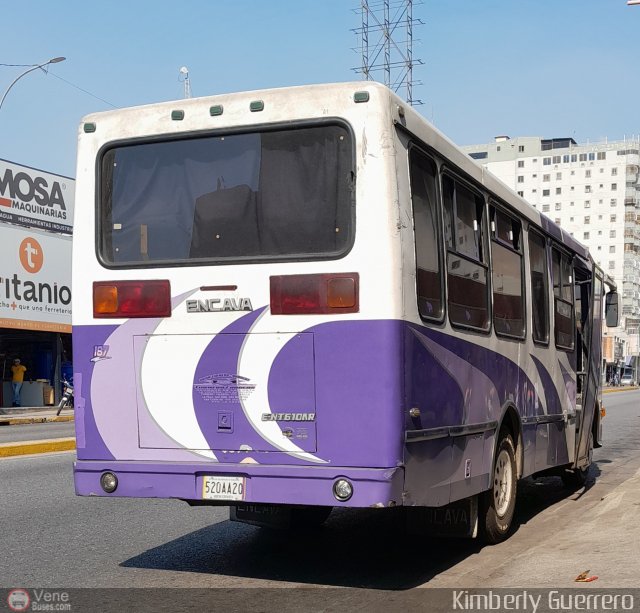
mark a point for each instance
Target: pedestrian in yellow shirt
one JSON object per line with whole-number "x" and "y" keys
{"x": 17, "y": 377}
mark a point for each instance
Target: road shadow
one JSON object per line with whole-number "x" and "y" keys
{"x": 537, "y": 495}
{"x": 366, "y": 548}
{"x": 355, "y": 548}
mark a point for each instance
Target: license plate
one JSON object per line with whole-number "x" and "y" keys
{"x": 216, "y": 487}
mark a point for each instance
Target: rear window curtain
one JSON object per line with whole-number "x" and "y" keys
{"x": 281, "y": 193}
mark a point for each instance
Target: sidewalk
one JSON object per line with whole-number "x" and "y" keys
{"x": 25, "y": 416}
{"x": 619, "y": 388}
{"x": 33, "y": 415}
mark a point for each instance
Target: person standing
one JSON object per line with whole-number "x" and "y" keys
{"x": 17, "y": 378}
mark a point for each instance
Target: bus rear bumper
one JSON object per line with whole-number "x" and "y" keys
{"x": 299, "y": 485}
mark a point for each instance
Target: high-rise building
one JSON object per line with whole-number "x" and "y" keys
{"x": 592, "y": 190}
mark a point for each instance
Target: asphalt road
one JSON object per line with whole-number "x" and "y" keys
{"x": 53, "y": 538}
{"x": 36, "y": 432}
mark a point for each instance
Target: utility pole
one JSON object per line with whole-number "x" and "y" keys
{"x": 54, "y": 60}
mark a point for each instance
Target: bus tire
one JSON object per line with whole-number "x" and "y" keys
{"x": 498, "y": 503}
{"x": 576, "y": 478}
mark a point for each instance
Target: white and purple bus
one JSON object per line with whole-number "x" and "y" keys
{"x": 297, "y": 299}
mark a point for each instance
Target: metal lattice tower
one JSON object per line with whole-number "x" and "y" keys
{"x": 383, "y": 22}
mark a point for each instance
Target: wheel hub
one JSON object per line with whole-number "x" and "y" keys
{"x": 502, "y": 483}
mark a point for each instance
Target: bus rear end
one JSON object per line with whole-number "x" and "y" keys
{"x": 236, "y": 322}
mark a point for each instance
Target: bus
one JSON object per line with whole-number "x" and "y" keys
{"x": 293, "y": 300}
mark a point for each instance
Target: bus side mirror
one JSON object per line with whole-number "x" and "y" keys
{"x": 611, "y": 309}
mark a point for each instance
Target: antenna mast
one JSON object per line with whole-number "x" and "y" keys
{"x": 184, "y": 72}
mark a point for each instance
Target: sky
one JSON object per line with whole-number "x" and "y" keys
{"x": 548, "y": 68}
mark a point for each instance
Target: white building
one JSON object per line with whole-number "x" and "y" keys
{"x": 592, "y": 190}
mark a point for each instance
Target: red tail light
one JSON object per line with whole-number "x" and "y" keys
{"x": 131, "y": 299}
{"x": 315, "y": 294}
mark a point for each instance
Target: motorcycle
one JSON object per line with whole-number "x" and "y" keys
{"x": 67, "y": 397}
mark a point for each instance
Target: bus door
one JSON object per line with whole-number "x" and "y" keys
{"x": 588, "y": 295}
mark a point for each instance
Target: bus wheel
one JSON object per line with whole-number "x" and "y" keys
{"x": 576, "y": 478}
{"x": 498, "y": 503}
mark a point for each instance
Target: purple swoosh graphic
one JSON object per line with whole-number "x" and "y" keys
{"x": 221, "y": 356}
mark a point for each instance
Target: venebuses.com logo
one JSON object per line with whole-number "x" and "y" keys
{"x": 19, "y": 599}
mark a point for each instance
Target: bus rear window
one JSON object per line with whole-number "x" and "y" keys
{"x": 278, "y": 194}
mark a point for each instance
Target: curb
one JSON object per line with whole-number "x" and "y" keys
{"x": 615, "y": 390}
{"x": 8, "y": 450}
{"x": 21, "y": 421}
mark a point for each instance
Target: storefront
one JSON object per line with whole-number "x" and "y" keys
{"x": 36, "y": 212}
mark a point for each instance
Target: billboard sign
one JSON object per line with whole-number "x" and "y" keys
{"x": 35, "y": 280}
{"x": 36, "y": 199}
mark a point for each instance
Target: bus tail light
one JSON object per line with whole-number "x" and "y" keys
{"x": 315, "y": 294}
{"x": 126, "y": 299}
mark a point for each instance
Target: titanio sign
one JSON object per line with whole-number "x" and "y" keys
{"x": 36, "y": 199}
{"x": 35, "y": 280}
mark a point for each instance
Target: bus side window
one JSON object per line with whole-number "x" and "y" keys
{"x": 563, "y": 299}
{"x": 425, "y": 220}
{"x": 468, "y": 296}
{"x": 539, "y": 285}
{"x": 506, "y": 275}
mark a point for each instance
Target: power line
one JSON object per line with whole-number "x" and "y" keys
{"x": 84, "y": 90}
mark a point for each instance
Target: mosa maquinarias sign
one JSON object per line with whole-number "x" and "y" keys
{"x": 35, "y": 199}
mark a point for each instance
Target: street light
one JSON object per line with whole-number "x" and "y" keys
{"x": 54, "y": 60}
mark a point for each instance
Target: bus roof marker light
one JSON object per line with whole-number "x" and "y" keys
{"x": 215, "y": 110}
{"x": 361, "y": 97}
{"x": 89, "y": 127}
{"x": 177, "y": 115}
{"x": 256, "y": 106}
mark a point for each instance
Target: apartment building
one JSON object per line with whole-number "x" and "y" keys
{"x": 593, "y": 191}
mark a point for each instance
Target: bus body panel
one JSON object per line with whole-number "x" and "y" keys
{"x": 462, "y": 381}
{"x": 356, "y": 380}
{"x": 192, "y": 389}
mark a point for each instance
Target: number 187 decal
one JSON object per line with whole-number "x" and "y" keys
{"x": 100, "y": 353}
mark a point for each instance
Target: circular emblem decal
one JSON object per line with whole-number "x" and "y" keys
{"x": 18, "y": 600}
{"x": 31, "y": 256}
